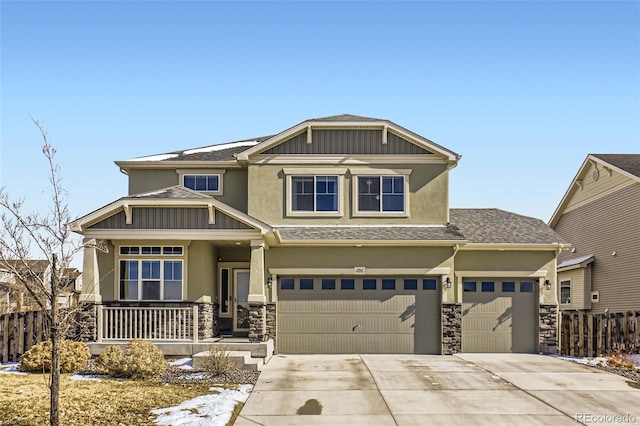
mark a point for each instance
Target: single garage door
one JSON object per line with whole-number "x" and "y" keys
{"x": 340, "y": 315}
{"x": 499, "y": 315}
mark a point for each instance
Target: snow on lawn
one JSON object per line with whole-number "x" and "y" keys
{"x": 95, "y": 377}
{"x": 11, "y": 368}
{"x": 210, "y": 410}
{"x": 183, "y": 363}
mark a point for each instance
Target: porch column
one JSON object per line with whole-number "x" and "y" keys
{"x": 90, "y": 275}
{"x": 256, "y": 277}
{"x": 257, "y": 298}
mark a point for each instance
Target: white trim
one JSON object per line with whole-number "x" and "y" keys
{"x": 176, "y": 234}
{"x": 373, "y": 225}
{"x": 355, "y": 195}
{"x": 513, "y": 247}
{"x": 313, "y": 171}
{"x": 368, "y": 271}
{"x": 133, "y": 164}
{"x": 212, "y": 214}
{"x": 385, "y": 130}
{"x": 347, "y": 159}
{"x": 289, "y": 197}
{"x": 202, "y": 171}
{"x": 372, "y": 243}
{"x": 127, "y": 214}
{"x": 379, "y": 172}
{"x": 501, "y": 274}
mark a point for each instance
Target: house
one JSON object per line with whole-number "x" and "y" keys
{"x": 15, "y": 298}
{"x": 332, "y": 236}
{"x": 600, "y": 216}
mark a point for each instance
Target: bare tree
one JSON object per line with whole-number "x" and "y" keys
{"x": 44, "y": 235}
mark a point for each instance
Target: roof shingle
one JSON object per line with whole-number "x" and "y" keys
{"x": 628, "y": 162}
{"x": 370, "y": 233}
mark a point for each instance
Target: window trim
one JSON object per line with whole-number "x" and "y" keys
{"x": 291, "y": 173}
{"x": 568, "y": 302}
{"x": 355, "y": 201}
{"x": 204, "y": 172}
{"x": 162, "y": 258}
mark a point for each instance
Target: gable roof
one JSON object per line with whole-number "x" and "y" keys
{"x": 174, "y": 196}
{"x": 625, "y": 164}
{"x": 495, "y": 226}
{"x": 346, "y": 121}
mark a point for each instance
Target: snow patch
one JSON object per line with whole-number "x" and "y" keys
{"x": 210, "y": 410}
{"x": 10, "y": 368}
{"x": 95, "y": 377}
{"x": 159, "y": 157}
{"x": 220, "y": 147}
{"x": 185, "y": 363}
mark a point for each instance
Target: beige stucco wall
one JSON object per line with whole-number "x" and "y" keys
{"x": 509, "y": 261}
{"x": 201, "y": 265}
{"x": 428, "y": 195}
{"x": 234, "y": 184}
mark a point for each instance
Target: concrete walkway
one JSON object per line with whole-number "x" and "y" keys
{"x": 464, "y": 389}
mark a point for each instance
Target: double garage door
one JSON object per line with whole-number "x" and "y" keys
{"x": 499, "y": 315}
{"x": 338, "y": 315}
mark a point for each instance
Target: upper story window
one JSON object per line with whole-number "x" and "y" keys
{"x": 205, "y": 183}
{"x": 381, "y": 194}
{"x": 314, "y": 192}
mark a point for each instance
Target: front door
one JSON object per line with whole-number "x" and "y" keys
{"x": 240, "y": 300}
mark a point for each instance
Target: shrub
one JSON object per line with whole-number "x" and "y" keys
{"x": 142, "y": 360}
{"x": 73, "y": 356}
{"x": 218, "y": 361}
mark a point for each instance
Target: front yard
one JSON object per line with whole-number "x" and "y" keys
{"x": 24, "y": 399}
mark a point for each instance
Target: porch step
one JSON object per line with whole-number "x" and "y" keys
{"x": 241, "y": 359}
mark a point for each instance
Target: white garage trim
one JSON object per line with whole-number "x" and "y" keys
{"x": 502, "y": 274}
{"x": 367, "y": 271}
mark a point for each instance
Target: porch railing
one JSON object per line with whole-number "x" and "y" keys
{"x": 149, "y": 323}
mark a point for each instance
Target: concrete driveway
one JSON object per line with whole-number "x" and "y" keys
{"x": 480, "y": 389}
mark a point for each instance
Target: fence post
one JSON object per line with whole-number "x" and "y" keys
{"x": 195, "y": 324}
{"x": 99, "y": 325}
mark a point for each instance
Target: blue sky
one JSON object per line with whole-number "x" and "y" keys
{"x": 522, "y": 90}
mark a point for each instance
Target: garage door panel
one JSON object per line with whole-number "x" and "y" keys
{"x": 323, "y": 321}
{"x": 497, "y": 321}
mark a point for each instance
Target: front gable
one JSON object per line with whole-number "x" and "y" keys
{"x": 348, "y": 135}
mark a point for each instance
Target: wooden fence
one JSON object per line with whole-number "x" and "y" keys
{"x": 19, "y": 331}
{"x": 594, "y": 335}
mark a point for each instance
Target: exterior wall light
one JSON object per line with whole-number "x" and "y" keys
{"x": 448, "y": 282}
{"x": 269, "y": 282}
{"x": 547, "y": 284}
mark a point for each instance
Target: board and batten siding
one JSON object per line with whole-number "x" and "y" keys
{"x": 346, "y": 142}
{"x": 609, "y": 224}
{"x": 170, "y": 218}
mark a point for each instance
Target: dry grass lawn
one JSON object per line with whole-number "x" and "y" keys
{"x": 24, "y": 400}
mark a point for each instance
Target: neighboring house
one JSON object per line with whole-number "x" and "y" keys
{"x": 15, "y": 298}
{"x": 333, "y": 236}
{"x": 600, "y": 216}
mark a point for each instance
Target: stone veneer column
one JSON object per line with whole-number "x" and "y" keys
{"x": 257, "y": 322}
{"x": 271, "y": 321}
{"x": 206, "y": 320}
{"x": 87, "y": 318}
{"x": 451, "y": 328}
{"x": 548, "y": 328}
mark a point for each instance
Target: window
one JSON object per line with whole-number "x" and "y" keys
{"x": 469, "y": 286}
{"x": 347, "y": 284}
{"x": 565, "y": 292}
{"x": 314, "y": 194}
{"x": 306, "y": 284}
{"x": 526, "y": 287}
{"x": 151, "y": 279}
{"x": 411, "y": 284}
{"x": 508, "y": 287}
{"x": 488, "y": 286}
{"x": 381, "y": 194}
{"x": 225, "y": 294}
{"x": 286, "y": 284}
{"x": 388, "y": 284}
{"x": 207, "y": 183}
{"x": 429, "y": 284}
{"x": 151, "y": 250}
{"x": 369, "y": 284}
{"x": 328, "y": 284}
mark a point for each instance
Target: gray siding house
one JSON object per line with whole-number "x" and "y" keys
{"x": 599, "y": 216}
